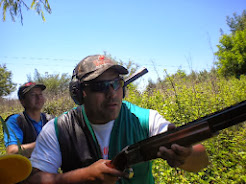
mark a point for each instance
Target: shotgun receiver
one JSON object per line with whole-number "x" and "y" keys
{"x": 186, "y": 135}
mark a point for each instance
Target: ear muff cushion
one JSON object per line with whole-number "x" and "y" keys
{"x": 75, "y": 91}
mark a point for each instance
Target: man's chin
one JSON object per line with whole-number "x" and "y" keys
{"x": 37, "y": 109}
{"x": 111, "y": 116}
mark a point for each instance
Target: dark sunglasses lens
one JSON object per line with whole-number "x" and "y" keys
{"x": 117, "y": 84}
{"x": 104, "y": 85}
{"x": 99, "y": 86}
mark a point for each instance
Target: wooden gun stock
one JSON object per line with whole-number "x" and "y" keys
{"x": 186, "y": 135}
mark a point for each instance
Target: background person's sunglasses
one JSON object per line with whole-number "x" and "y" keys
{"x": 103, "y": 86}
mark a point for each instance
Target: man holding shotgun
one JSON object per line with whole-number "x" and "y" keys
{"x": 83, "y": 141}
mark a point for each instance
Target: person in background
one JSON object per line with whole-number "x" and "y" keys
{"x": 83, "y": 141}
{"x": 23, "y": 128}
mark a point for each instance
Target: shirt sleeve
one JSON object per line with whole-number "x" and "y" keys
{"x": 46, "y": 155}
{"x": 157, "y": 124}
{"x": 14, "y": 133}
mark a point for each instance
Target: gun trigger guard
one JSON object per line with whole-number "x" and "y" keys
{"x": 128, "y": 173}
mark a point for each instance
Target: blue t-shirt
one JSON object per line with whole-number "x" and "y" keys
{"x": 15, "y": 132}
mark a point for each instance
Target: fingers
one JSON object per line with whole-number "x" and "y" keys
{"x": 109, "y": 170}
{"x": 171, "y": 126}
{"x": 175, "y": 156}
{"x": 181, "y": 150}
{"x": 101, "y": 172}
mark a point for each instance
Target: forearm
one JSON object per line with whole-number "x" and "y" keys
{"x": 98, "y": 172}
{"x": 197, "y": 160}
{"x": 26, "y": 149}
{"x": 75, "y": 176}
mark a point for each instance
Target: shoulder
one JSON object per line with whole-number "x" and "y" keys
{"x": 134, "y": 108}
{"x": 46, "y": 155}
{"x": 157, "y": 123}
{"x": 136, "y": 114}
{"x": 49, "y": 127}
{"x": 75, "y": 112}
{"x": 12, "y": 119}
{"x": 48, "y": 132}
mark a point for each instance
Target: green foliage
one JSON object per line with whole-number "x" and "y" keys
{"x": 55, "y": 84}
{"x": 7, "y": 108}
{"x": 237, "y": 22}
{"x": 56, "y": 105}
{"x": 15, "y": 8}
{"x": 6, "y": 85}
{"x": 232, "y": 54}
{"x": 2, "y": 150}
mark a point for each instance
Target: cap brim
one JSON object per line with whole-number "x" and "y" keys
{"x": 120, "y": 69}
{"x": 41, "y": 86}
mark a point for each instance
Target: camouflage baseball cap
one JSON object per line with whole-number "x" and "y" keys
{"x": 93, "y": 66}
{"x": 27, "y": 87}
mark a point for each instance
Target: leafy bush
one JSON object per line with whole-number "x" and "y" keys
{"x": 184, "y": 101}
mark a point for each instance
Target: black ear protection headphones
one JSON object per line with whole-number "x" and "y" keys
{"x": 76, "y": 88}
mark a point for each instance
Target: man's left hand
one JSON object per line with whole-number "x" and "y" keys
{"x": 176, "y": 155}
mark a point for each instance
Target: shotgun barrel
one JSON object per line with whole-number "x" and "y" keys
{"x": 136, "y": 75}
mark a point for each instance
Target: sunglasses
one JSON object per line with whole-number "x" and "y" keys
{"x": 103, "y": 86}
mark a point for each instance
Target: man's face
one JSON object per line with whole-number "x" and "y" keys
{"x": 102, "y": 107}
{"x": 33, "y": 100}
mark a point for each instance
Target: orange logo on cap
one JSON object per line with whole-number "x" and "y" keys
{"x": 101, "y": 61}
{"x": 101, "y": 57}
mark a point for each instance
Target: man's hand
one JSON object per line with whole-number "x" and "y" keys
{"x": 192, "y": 158}
{"x": 176, "y": 156}
{"x": 100, "y": 172}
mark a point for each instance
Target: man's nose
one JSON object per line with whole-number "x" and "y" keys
{"x": 38, "y": 96}
{"x": 111, "y": 92}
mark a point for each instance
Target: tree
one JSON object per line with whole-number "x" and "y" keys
{"x": 15, "y": 8}
{"x": 231, "y": 52}
{"x": 6, "y": 85}
{"x": 237, "y": 22}
{"x": 55, "y": 84}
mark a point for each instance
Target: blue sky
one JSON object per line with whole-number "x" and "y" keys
{"x": 156, "y": 34}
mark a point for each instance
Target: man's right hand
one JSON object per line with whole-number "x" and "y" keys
{"x": 100, "y": 172}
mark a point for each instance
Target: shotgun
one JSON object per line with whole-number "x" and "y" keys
{"x": 135, "y": 75}
{"x": 186, "y": 135}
